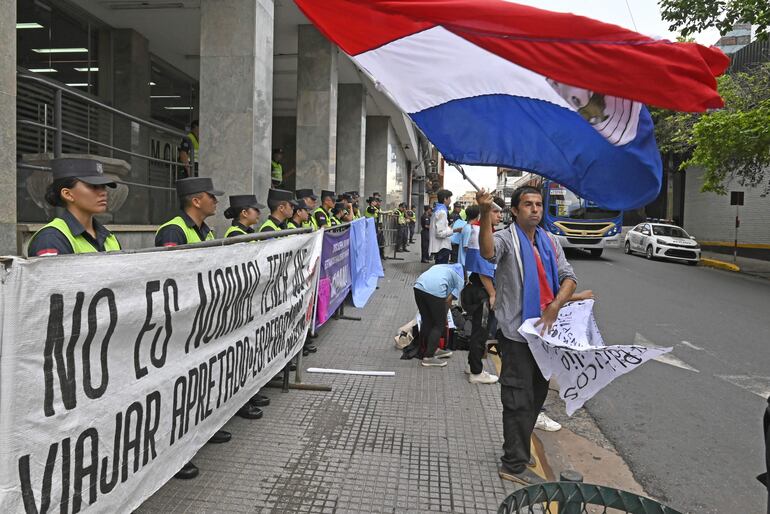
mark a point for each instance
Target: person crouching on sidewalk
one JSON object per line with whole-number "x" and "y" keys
{"x": 434, "y": 291}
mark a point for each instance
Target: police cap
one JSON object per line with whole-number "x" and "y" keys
{"x": 85, "y": 170}
{"x": 326, "y": 193}
{"x": 193, "y": 185}
{"x": 241, "y": 202}
{"x": 275, "y": 196}
{"x": 306, "y": 193}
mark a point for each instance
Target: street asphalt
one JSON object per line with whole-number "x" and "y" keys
{"x": 690, "y": 428}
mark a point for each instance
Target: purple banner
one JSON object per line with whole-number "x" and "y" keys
{"x": 335, "y": 280}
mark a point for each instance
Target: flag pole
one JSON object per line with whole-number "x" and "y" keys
{"x": 462, "y": 172}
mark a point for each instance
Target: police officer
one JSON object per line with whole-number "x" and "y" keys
{"x": 403, "y": 233}
{"x": 425, "y": 234}
{"x": 245, "y": 211}
{"x": 279, "y": 202}
{"x": 79, "y": 186}
{"x": 322, "y": 214}
{"x": 411, "y": 221}
{"x": 198, "y": 199}
{"x": 190, "y": 145}
{"x": 373, "y": 210}
{"x": 276, "y": 167}
{"x": 308, "y": 197}
{"x": 339, "y": 212}
{"x": 300, "y": 217}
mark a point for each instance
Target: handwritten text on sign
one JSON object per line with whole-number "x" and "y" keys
{"x": 574, "y": 353}
{"x": 114, "y": 372}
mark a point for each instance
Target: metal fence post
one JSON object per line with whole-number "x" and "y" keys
{"x": 571, "y": 505}
{"x": 57, "y": 136}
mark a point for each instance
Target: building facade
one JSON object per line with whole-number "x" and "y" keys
{"x": 122, "y": 82}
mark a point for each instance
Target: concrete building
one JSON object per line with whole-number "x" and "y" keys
{"x": 124, "y": 80}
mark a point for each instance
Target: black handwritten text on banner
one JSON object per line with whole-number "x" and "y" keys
{"x": 116, "y": 369}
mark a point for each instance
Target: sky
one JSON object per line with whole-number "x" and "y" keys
{"x": 647, "y": 20}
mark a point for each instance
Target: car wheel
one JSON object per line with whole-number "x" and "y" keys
{"x": 597, "y": 252}
{"x": 627, "y": 248}
{"x": 648, "y": 253}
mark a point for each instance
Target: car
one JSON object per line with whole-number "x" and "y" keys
{"x": 664, "y": 241}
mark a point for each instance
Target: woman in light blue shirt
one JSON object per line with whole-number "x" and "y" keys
{"x": 433, "y": 293}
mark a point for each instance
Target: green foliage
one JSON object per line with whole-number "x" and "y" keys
{"x": 732, "y": 143}
{"x": 693, "y": 16}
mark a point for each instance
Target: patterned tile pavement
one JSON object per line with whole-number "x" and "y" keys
{"x": 423, "y": 441}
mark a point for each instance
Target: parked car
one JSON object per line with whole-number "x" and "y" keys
{"x": 660, "y": 240}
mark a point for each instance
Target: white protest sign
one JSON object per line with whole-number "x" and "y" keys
{"x": 116, "y": 368}
{"x": 573, "y": 352}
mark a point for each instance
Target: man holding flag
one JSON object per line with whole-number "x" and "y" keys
{"x": 533, "y": 280}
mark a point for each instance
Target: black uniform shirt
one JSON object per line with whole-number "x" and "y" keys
{"x": 425, "y": 222}
{"x": 50, "y": 241}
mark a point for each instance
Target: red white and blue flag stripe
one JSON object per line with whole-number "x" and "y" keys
{"x": 495, "y": 83}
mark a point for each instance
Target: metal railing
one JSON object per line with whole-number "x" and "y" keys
{"x": 576, "y": 497}
{"x": 53, "y": 119}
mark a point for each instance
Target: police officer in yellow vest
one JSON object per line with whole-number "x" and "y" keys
{"x": 308, "y": 198}
{"x": 79, "y": 186}
{"x": 279, "y": 202}
{"x": 403, "y": 230}
{"x": 198, "y": 200}
{"x": 276, "y": 167}
{"x": 339, "y": 214}
{"x": 190, "y": 147}
{"x": 373, "y": 210}
{"x": 321, "y": 216}
{"x": 300, "y": 217}
{"x": 244, "y": 210}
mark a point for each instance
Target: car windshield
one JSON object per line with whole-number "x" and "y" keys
{"x": 664, "y": 230}
{"x": 565, "y": 204}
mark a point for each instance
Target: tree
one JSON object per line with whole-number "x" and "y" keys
{"x": 732, "y": 143}
{"x": 692, "y": 16}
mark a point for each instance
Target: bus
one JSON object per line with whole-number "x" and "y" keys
{"x": 580, "y": 223}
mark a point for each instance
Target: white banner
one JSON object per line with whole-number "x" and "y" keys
{"x": 573, "y": 352}
{"x": 116, "y": 369}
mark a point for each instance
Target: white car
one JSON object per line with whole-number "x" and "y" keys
{"x": 660, "y": 240}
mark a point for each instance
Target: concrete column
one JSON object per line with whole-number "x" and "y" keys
{"x": 236, "y": 96}
{"x": 351, "y": 137}
{"x": 131, "y": 94}
{"x": 8, "y": 138}
{"x": 316, "y": 110}
{"x": 376, "y": 167}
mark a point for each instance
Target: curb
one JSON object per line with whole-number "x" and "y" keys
{"x": 715, "y": 263}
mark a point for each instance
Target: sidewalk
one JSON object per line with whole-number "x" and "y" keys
{"x": 755, "y": 267}
{"x": 424, "y": 440}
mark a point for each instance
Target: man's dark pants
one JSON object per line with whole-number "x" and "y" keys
{"x": 433, "y": 316}
{"x": 455, "y": 251}
{"x": 424, "y": 244}
{"x": 522, "y": 391}
{"x": 473, "y": 297}
{"x": 442, "y": 256}
{"x": 411, "y": 232}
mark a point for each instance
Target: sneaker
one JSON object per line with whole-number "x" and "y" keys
{"x": 547, "y": 424}
{"x": 524, "y": 477}
{"x": 443, "y": 354}
{"x": 482, "y": 378}
{"x": 467, "y": 369}
{"x": 432, "y": 362}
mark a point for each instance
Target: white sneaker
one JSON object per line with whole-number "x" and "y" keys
{"x": 482, "y": 378}
{"x": 432, "y": 362}
{"x": 547, "y": 424}
{"x": 443, "y": 354}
